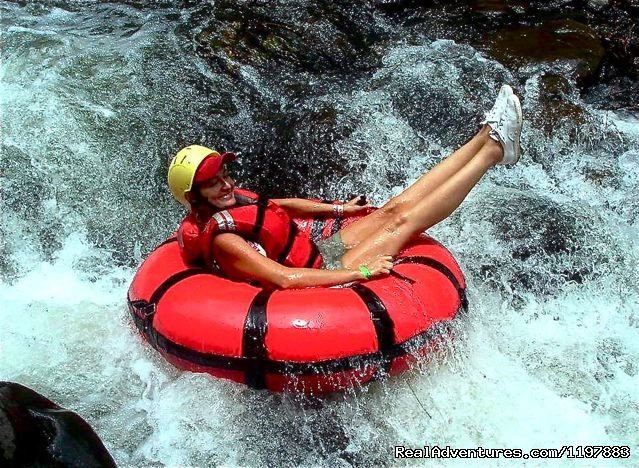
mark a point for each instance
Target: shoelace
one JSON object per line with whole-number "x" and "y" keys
{"x": 498, "y": 130}
{"x": 488, "y": 114}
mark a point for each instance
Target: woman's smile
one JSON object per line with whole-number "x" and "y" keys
{"x": 224, "y": 201}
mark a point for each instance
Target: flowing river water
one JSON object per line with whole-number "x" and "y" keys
{"x": 94, "y": 100}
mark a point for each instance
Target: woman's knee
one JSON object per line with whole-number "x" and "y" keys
{"x": 395, "y": 221}
{"x": 392, "y": 209}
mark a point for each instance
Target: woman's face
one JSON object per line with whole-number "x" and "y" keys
{"x": 218, "y": 190}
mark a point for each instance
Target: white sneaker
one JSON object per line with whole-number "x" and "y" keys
{"x": 507, "y": 131}
{"x": 492, "y": 116}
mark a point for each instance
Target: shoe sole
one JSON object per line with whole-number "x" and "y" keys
{"x": 520, "y": 123}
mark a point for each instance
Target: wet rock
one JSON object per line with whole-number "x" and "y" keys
{"x": 283, "y": 58}
{"x": 608, "y": 29}
{"x": 291, "y": 446}
{"x": 619, "y": 93}
{"x": 317, "y": 37}
{"x": 561, "y": 125}
{"x": 29, "y": 196}
{"x": 34, "y": 431}
{"x": 619, "y": 76}
{"x": 294, "y": 153}
{"x": 279, "y": 56}
{"x": 491, "y": 6}
{"x": 564, "y": 42}
{"x": 546, "y": 244}
{"x": 440, "y": 88}
{"x": 556, "y": 105}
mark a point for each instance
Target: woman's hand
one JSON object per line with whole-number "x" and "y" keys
{"x": 381, "y": 266}
{"x": 356, "y": 206}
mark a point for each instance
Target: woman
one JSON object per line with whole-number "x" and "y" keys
{"x": 221, "y": 226}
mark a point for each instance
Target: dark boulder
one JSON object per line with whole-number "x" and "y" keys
{"x": 562, "y": 43}
{"x": 295, "y": 149}
{"x": 556, "y": 105}
{"x": 597, "y": 40}
{"x": 317, "y": 37}
{"x": 35, "y": 432}
{"x": 544, "y": 244}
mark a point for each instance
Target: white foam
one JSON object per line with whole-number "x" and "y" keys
{"x": 558, "y": 369}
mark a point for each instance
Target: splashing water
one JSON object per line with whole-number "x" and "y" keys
{"x": 95, "y": 99}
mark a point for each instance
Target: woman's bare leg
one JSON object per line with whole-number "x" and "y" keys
{"x": 391, "y": 237}
{"x": 426, "y": 184}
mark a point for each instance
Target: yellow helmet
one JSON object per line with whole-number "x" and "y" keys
{"x": 182, "y": 170}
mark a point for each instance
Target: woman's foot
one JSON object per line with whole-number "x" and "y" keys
{"x": 492, "y": 116}
{"x": 507, "y": 130}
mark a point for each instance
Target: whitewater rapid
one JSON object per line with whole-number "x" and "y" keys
{"x": 93, "y": 101}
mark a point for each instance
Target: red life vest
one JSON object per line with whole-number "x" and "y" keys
{"x": 254, "y": 220}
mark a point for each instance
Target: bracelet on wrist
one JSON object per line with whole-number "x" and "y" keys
{"x": 338, "y": 211}
{"x": 363, "y": 269}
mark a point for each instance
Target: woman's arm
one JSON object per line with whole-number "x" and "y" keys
{"x": 240, "y": 261}
{"x": 301, "y": 208}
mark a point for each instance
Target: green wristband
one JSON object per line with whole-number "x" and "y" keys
{"x": 363, "y": 269}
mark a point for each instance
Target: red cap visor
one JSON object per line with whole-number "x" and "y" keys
{"x": 211, "y": 165}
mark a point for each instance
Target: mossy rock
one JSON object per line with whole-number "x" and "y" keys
{"x": 566, "y": 41}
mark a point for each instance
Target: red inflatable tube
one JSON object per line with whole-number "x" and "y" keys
{"x": 314, "y": 340}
